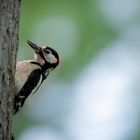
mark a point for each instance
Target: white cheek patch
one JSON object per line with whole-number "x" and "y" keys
{"x": 50, "y": 58}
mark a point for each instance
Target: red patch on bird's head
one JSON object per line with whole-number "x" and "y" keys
{"x": 58, "y": 61}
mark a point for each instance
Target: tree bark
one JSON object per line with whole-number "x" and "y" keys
{"x": 9, "y": 27}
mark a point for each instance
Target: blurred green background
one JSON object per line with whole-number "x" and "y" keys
{"x": 94, "y": 93}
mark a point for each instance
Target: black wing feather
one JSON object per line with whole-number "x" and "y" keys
{"x": 30, "y": 84}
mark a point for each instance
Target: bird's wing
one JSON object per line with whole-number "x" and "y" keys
{"x": 33, "y": 82}
{"x": 23, "y": 70}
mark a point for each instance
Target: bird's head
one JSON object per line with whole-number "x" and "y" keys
{"x": 45, "y": 55}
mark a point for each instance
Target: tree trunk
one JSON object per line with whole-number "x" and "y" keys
{"x": 9, "y": 26}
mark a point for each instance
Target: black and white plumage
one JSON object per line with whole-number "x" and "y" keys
{"x": 31, "y": 73}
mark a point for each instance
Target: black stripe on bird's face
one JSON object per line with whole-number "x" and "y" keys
{"x": 53, "y": 52}
{"x": 49, "y": 55}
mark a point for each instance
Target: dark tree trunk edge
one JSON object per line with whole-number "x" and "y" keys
{"x": 9, "y": 38}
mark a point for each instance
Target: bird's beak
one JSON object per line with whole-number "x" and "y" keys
{"x": 34, "y": 46}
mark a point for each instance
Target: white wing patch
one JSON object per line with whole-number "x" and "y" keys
{"x": 23, "y": 70}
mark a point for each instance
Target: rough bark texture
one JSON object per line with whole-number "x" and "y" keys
{"x": 9, "y": 26}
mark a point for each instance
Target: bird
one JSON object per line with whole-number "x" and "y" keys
{"x": 30, "y": 74}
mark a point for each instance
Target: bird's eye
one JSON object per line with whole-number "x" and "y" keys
{"x": 47, "y": 51}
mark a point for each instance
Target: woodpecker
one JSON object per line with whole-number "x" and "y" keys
{"x": 31, "y": 73}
